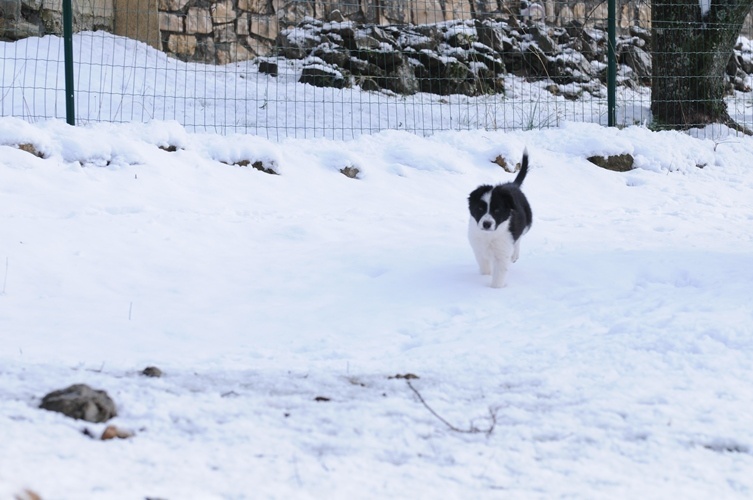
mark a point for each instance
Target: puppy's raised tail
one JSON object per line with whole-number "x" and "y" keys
{"x": 523, "y": 169}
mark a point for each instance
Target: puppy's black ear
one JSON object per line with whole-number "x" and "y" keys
{"x": 478, "y": 192}
{"x": 507, "y": 198}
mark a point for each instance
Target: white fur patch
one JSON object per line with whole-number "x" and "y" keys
{"x": 487, "y": 217}
{"x": 494, "y": 250}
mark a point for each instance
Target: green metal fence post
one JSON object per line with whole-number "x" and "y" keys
{"x": 611, "y": 63}
{"x": 70, "y": 109}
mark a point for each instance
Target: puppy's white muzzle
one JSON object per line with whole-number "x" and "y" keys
{"x": 487, "y": 223}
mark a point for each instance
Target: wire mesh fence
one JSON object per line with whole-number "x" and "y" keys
{"x": 326, "y": 68}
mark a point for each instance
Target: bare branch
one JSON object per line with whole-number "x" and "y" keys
{"x": 471, "y": 430}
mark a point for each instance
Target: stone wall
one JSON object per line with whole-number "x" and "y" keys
{"x": 217, "y": 32}
{"x": 222, "y": 31}
{"x": 24, "y": 18}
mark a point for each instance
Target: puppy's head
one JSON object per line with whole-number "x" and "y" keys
{"x": 490, "y": 206}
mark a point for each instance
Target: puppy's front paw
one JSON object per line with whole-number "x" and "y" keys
{"x": 500, "y": 284}
{"x": 485, "y": 268}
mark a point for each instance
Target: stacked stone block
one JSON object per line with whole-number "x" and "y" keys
{"x": 24, "y": 18}
{"x": 218, "y": 32}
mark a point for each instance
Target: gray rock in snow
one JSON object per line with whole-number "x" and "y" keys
{"x": 81, "y": 402}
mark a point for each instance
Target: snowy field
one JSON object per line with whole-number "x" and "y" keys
{"x": 617, "y": 363}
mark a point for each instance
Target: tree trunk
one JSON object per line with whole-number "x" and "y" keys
{"x": 691, "y": 52}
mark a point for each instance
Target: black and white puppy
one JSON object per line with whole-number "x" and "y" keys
{"x": 500, "y": 215}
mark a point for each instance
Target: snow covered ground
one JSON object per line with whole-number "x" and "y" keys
{"x": 617, "y": 363}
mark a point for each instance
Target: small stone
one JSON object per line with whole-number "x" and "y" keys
{"x": 258, "y": 165}
{"x": 616, "y": 163}
{"x": 30, "y": 148}
{"x": 267, "y": 169}
{"x": 320, "y": 76}
{"x": 112, "y": 432}
{"x": 268, "y": 68}
{"x": 350, "y": 171}
{"x": 152, "y": 371}
{"x": 81, "y": 402}
{"x": 336, "y": 16}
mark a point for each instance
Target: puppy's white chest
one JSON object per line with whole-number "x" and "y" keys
{"x": 499, "y": 241}
{"x": 494, "y": 250}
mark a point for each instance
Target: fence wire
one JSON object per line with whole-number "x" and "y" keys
{"x": 333, "y": 69}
